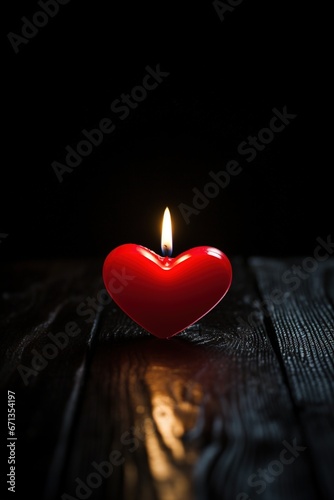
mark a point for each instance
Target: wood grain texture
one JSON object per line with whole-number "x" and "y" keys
{"x": 206, "y": 415}
{"x": 39, "y": 298}
{"x": 302, "y": 321}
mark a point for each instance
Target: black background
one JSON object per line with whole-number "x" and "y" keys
{"x": 225, "y": 79}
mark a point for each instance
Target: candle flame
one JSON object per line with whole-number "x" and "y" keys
{"x": 166, "y": 234}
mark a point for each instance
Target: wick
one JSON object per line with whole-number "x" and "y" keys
{"x": 165, "y": 251}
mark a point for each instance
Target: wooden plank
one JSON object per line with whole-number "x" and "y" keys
{"x": 298, "y": 297}
{"x": 204, "y": 415}
{"x": 39, "y": 298}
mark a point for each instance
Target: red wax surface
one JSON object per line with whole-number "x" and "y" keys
{"x": 166, "y": 295}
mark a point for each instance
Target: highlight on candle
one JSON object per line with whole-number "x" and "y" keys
{"x": 166, "y": 234}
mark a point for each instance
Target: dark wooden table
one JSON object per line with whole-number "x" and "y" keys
{"x": 241, "y": 405}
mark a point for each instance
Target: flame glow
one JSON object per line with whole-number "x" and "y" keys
{"x": 166, "y": 234}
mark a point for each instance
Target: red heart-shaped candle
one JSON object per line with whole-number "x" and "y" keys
{"x": 166, "y": 295}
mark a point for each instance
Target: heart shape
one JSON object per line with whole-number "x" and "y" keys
{"x": 166, "y": 295}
